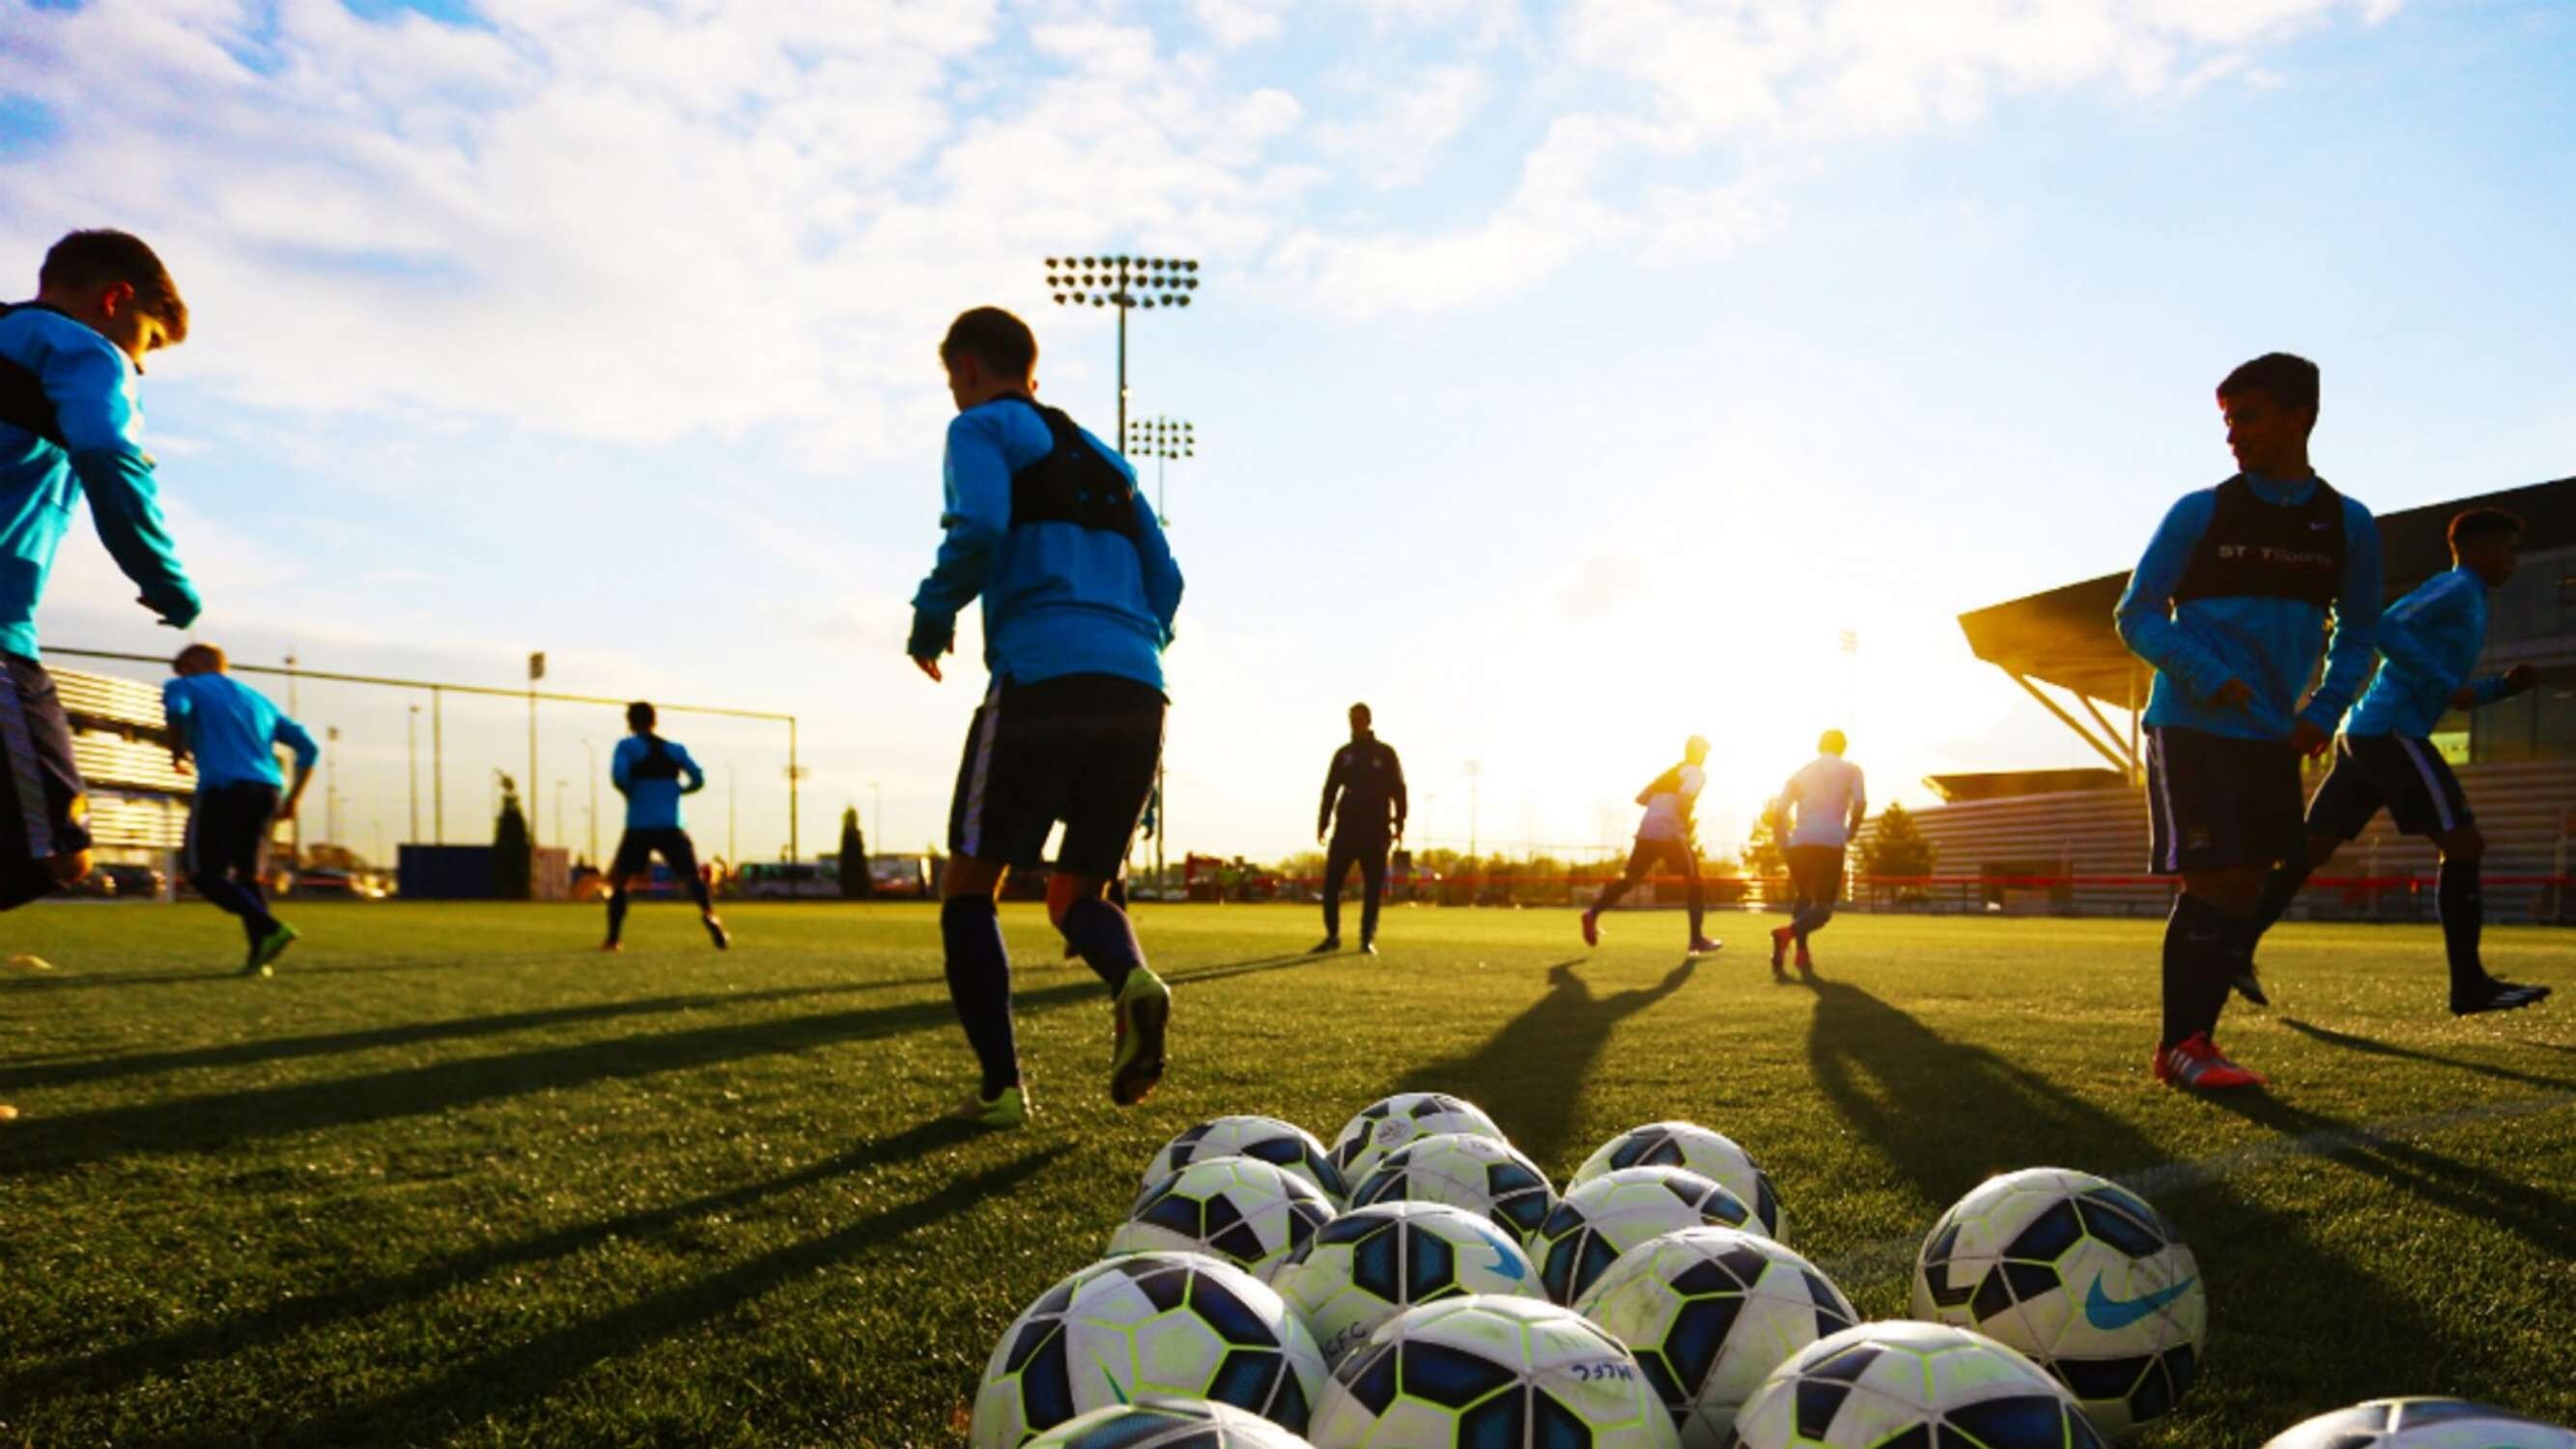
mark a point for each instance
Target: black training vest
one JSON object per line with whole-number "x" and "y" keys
{"x": 1073, "y": 483}
{"x": 2254, "y": 549}
{"x": 23, "y": 402}
{"x": 657, "y": 763}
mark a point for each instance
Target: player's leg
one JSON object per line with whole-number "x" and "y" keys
{"x": 44, "y": 834}
{"x": 1641, "y": 858}
{"x": 2210, "y": 802}
{"x": 2344, "y": 803}
{"x": 1118, "y": 729}
{"x": 682, "y": 855}
{"x": 1338, "y": 860}
{"x": 243, "y": 848}
{"x": 634, "y": 853}
{"x": 985, "y": 838}
{"x": 1372, "y": 861}
{"x": 1695, "y": 896}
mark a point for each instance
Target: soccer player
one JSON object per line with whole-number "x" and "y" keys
{"x": 1045, "y": 524}
{"x": 653, "y": 773}
{"x": 232, "y": 731}
{"x": 2230, "y": 605}
{"x": 2431, "y": 640}
{"x": 69, "y": 426}
{"x": 1819, "y": 810}
{"x": 1368, "y": 781}
{"x": 1665, "y": 836}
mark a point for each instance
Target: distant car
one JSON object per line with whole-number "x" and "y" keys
{"x": 134, "y": 882}
{"x": 899, "y": 877}
{"x": 786, "y": 880}
{"x": 343, "y": 884}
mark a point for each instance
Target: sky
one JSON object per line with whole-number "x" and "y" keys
{"x": 1566, "y": 377}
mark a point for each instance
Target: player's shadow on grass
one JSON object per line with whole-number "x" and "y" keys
{"x": 1529, "y": 1075}
{"x": 111, "y": 1369}
{"x": 2375, "y": 1047}
{"x": 108, "y": 980}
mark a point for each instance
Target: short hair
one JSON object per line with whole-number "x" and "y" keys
{"x": 1363, "y": 709}
{"x": 1832, "y": 742}
{"x": 2287, "y": 379}
{"x": 639, "y": 716}
{"x": 993, "y": 337}
{"x": 102, "y": 257}
{"x": 205, "y": 654}
{"x": 2471, "y": 524}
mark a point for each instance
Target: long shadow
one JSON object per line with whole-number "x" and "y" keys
{"x": 2375, "y": 1047}
{"x": 1530, "y": 1073}
{"x": 113, "y": 1368}
{"x": 1946, "y": 1115}
{"x": 85, "y": 981}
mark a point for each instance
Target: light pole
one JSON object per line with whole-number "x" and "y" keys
{"x": 876, "y": 812}
{"x": 733, "y": 851}
{"x": 411, "y": 771}
{"x": 592, "y": 751}
{"x": 331, "y": 785}
{"x": 1125, "y": 283}
{"x": 1474, "y": 771}
{"x": 560, "y": 833}
{"x": 1163, "y": 440}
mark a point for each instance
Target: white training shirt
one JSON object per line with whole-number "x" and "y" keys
{"x": 1668, "y": 803}
{"x": 1824, "y": 797}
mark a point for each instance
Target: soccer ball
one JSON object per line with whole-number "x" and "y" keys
{"x": 2421, "y": 1424}
{"x": 1371, "y": 1263}
{"x": 1157, "y": 1422}
{"x": 1281, "y": 1144}
{"x": 1597, "y": 1221}
{"x": 1182, "y": 1324}
{"x": 1709, "y": 1312}
{"x": 1500, "y": 1371}
{"x": 1881, "y": 1385}
{"x": 1249, "y": 1213}
{"x": 2079, "y": 1274}
{"x": 1485, "y": 1175}
{"x": 1385, "y": 1125}
{"x": 1687, "y": 1144}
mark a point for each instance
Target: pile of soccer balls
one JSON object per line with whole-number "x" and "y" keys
{"x": 1421, "y": 1285}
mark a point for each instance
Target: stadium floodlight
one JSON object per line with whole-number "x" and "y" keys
{"x": 1126, "y": 283}
{"x": 1164, "y": 440}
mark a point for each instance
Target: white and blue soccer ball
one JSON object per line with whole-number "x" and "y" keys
{"x": 1373, "y": 1262}
{"x": 1283, "y": 1145}
{"x": 1687, "y": 1144}
{"x": 1245, "y": 1211}
{"x": 1877, "y": 1385}
{"x": 1158, "y": 1422}
{"x": 1482, "y": 1175}
{"x": 1472, "y": 1372}
{"x": 2081, "y": 1275}
{"x": 2422, "y": 1424}
{"x": 1596, "y": 1221}
{"x": 1709, "y": 1313}
{"x": 1390, "y": 1122}
{"x": 1178, "y": 1324}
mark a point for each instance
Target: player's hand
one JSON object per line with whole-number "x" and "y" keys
{"x": 2521, "y": 679}
{"x": 930, "y": 667}
{"x": 286, "y": 810}
{"x": 2466, "y": 696}
{"x": 2234, "y": 694}
{"x": 2309, "y": 740}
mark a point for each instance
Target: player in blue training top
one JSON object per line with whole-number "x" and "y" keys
{"x": 69, "y": 427}
{"x": 2431, "y": 640}
{"x": 1045, "y": 524}
{"x": 2230, "y": 605}
{"x": 232, "y": 732}
{"x": 653, "y": 773}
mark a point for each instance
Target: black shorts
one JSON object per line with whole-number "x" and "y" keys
{"x": 2215, "y": 801}
{"x": 1080, "y": 749}
{"x": 637, "y": 847}
{"x": 228, "y": 829}
{"x": 1816, "y": 870}
{"x": 2407, "y": 777}
{"x": 1678, "y": 855}
{"x": 44, "y": 806}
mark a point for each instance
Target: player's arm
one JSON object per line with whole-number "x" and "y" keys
{"x": 1332, "y": 790}
{"x": 2353, "y": 649}
{"x": 87, "y": 386}
{"x": 2520, "y": 679}
{"x": 299, "y": 739}
{"x": 975, "y": 521}
{"x": 1162, "y": 575}
{"x": 1403, "y": 804}
{"x": 621, "y": 766}
{"x": 176, "y": 708}
{"x": 1860, "y": 801}
{"x": 2145, "y": 615}
{"x": 692, "y": 779}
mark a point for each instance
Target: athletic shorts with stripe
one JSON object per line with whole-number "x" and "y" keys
{"x": 2407, "y": 777}
{"x": 637, "y": 847}
{"x": 1080, "y": 749}
{"x": 44, "y": 806}
{"x": 2216, "y": 801}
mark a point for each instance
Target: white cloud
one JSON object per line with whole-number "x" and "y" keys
{"x": 1421, "y": 114}
{"x": 1234, "y": 23}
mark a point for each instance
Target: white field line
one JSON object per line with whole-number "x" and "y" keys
{"x": 1895, "y": 1256}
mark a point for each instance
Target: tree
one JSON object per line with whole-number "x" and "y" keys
{"x": 855, "y": 880}
{"x": 513, "y": 867}
{"x": 1897, "y": 847}
{"x": 1762, "y": 854}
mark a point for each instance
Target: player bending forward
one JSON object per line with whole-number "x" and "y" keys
{"x": 1665, "y": 836}
{"x": 2431, "y": 640}
{"x": 1820, "y": 809}
{"x": 233, "y": 731}
{"x": 653, "y": 773}
{"x": 1044, "y": 523}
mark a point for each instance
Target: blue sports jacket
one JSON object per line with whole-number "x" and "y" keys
{"x": 2271, "y": 644}
{"x": 91, "y": 385}
{"x": 2431, "y": 640}
{"x": 234, "y": 730}
{"x": 1058, "y": 598}
{"x": 653, "y": 800}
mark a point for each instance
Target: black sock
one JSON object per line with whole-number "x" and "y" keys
{"x": 1698, "y": 910}
{"x": 2464, "y": 911}
{"x": 2199, "y": 957}
{"x": 979, "y": 983}
{"x": 1106, "y": 940}
{"x": 698, "y": 892}
{"x": 2278, "y": 890}
{"x": 616, "y": 914}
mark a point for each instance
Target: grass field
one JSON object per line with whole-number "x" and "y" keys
{"x": 452, "y": 1178}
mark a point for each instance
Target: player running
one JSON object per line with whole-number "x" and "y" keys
{"x": 69, "y": 426}
{"x": 1820, "y": 809}
{"x": 653, "y": 773}
{"x": 1368, "y": 781}
{"x": 2431, "y": 640}
{"x": 232, "y": 732}
{"x": 1044, "y": 523}
{"x": 2230, "y": 605}
{"x": 1667, "y": 837}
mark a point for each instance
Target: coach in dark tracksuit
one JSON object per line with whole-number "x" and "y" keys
{"x": 1368, "y": 780}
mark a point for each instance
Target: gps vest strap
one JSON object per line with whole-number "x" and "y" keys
{"x": 1073, "y": 483}
{"x": 2259, "y": 550}
{"x": 657, "y": 763}
{"x": 23, "y": 402}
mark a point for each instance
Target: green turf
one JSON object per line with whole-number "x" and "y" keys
{"x": 453, "y": 1178}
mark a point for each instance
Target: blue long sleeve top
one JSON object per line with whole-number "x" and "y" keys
{"x": 1058, "y": 598}
{"x": 91, "y": 385}
{"x": 2271, "y": 644}
{"x": 233, "y": 730}
{"x": 2431, "y": 640}
{"x": 653, "y": 802}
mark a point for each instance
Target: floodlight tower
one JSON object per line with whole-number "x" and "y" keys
{"x": 1164, "y": 440}
{"x": 1125, "y": 283}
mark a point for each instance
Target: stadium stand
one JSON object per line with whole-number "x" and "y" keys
{"x": 138, "y": 804}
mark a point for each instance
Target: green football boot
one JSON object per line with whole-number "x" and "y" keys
{"x": 1144, "y": 1011}
{"x": 1010, "y": 1109}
